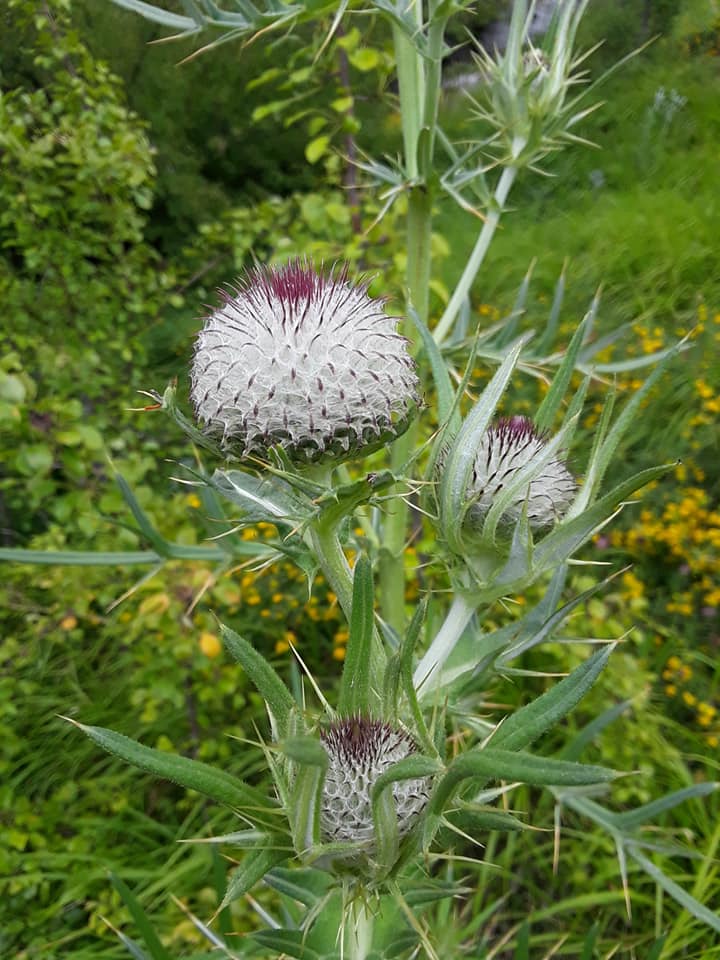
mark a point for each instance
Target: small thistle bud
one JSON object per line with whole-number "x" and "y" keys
{"x": 303, "y": 360}
{"x": 359, "y": 750}
{"x": 506, "y": 447}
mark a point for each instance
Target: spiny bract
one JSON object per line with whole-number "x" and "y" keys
{"x": 305, "y": 360}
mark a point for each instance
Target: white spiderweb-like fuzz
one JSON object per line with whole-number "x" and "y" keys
{"x": 305, "y": 360}
{"x": 507, "y": 447}
{"x": 359, "y": 750}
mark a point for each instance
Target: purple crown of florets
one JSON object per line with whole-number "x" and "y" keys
{"x": 516, "y": 430}
{"x": 360, "y": 739}
{"x": 294, "y": 282}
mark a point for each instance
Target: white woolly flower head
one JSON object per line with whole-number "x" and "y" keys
{"x": 359, "y": 750}
{"x": 305, "y": 360}
{"x": 506, "y": 448}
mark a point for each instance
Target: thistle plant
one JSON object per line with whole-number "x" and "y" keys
{"x": 317, "y": 406}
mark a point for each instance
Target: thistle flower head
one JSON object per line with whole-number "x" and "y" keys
{"x": 304, "y": 360}
{"x": 359, "y": 750}
{"x": 506, "y": 448}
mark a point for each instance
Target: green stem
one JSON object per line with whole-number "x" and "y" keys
{"x": 358, "y": 930}
{"x": 419, "y": 232}
{"x": 392, "y": 567}
{"x": 478, "y": 254}
{"x": 333, "y": 563}
{"x": 436, "y": 36}
{"x": 322, "y": 537}
{"x": 419, "y": 87}
{"x": 411, "y": 87}
{"x": 428, "y": 672}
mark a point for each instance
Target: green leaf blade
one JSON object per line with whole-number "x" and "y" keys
{"x": 528, "y": 723}
{"x": 158, "y": 15}
{"x": 267, "y": 682}
{"x": 447, "y": 413}
{"x": 141, "y": 920}
{"x": 289, "y": 943}
{"x": 571, "y": 534}
{"x": 251, "y": 871}
{"x": 454, "y": 484}
{"x": 191, "y": 774}
{"x": 550, "y": 405}
{"x": 521, "y": 767}
{"x": 489, "y": 763}
{"x": 355, "y": 687}
{"x": 632, "y": 819}
{"x": 685, "y": 899}
{"x": 306, "y": 885}
{"x": 80, "y": 558}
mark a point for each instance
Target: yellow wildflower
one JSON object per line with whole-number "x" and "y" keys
{"x": 210, "y": 644}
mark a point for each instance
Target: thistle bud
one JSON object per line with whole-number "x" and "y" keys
{"x": 304, "y": 360}
{"x": 506, "y": 448}
{"x": 359, "y": 751}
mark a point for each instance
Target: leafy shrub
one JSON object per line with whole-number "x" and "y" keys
{"x": 77, "y": 280}
{"x": 76, "y": 183}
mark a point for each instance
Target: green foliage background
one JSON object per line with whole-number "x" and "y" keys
{"x": 130, "y": 187}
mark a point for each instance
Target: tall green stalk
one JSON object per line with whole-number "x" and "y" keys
{"x": 477, "y": 256}
{"x": 392, "y": 567}
{"x": 411, "y": 85}
{"x": 419, "y": 90}
{"x": 333, "y": 563}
